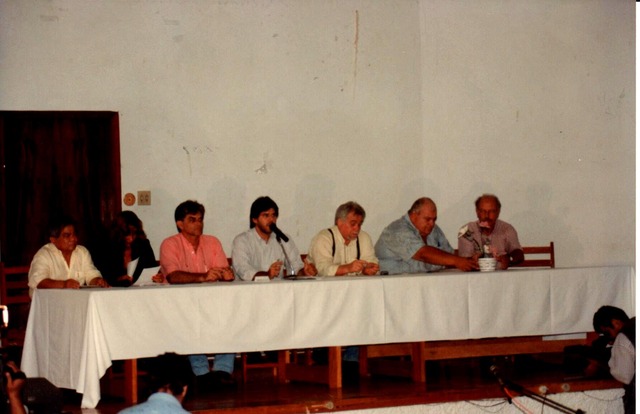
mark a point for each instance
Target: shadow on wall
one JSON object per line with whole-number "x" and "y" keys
{"x": 532, "y": 218}
{"x": 315, "y": 206}
{"x": 539, "y": 225}
{"x": 227, "y": 215}
{"x": 389, "y": 207}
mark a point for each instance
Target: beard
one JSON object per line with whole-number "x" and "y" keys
{"x": 264, "y": 229}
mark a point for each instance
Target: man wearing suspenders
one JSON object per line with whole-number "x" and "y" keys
{"x": 343, "y": 249}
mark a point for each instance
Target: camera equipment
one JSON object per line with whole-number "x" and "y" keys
{"x": 5, "y": 316}
{"x": 38, "y": 394}
{"x": 4, "y": 368}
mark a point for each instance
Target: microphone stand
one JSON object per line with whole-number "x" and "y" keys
{"x": 506, "y": 384}
{"x": 289, "y": 270}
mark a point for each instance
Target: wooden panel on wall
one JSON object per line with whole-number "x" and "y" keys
{"x": 56, "y": 162}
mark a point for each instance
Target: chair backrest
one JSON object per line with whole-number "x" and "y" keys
{"x": 14, "y": 284}
{"x": 538, "y": 256}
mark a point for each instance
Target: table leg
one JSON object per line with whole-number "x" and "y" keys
{"x": 131, "y": 381}
{"x": 330, "y": 374}
{"x": 284, "y": 357}
{"x": 363, "y": 361}
{"x": 418, "y": 372}
{"x": 335, "y": 367}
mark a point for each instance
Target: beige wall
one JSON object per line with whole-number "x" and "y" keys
{"x": 318, "y": 102}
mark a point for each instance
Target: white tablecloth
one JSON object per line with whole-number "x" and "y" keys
{"x": 74, "y": 335}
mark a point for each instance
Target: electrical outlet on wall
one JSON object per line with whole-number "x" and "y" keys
{"x": 144, "y": 198}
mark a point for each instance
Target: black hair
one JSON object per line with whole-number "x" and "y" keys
{"x": 171, "y": 371}
{"x": 58, "y": 223}
{"x": 187, "y": 207}
{"x": 605, "y": 316}
{"x": 259, "y": 206}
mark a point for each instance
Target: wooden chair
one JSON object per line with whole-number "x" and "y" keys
{"x": 415, "y": 354}
{"x": 14, "y": 293}
{"x": 543, "y": 256}
{"x": 534, "y": 256}
{"x": 285, "y": 357}
{"x": 277, "y": 367}
{"x": 538, "y": 256}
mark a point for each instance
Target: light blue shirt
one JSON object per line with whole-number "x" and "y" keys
{"x": 158, "y": 403}
{"x": 400, "y": 240}
{"x": 251, "y": 254}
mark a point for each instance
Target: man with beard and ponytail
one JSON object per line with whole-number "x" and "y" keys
{"x": 264, "y": 250}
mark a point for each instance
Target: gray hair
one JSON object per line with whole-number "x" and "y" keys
{"x": 349, "y": 207}
{"x": 419, "y": 203}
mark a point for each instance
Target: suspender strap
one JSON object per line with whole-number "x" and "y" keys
{"x": 333, "y": 245}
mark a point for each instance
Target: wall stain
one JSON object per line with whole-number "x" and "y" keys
{"x": 355, "y": 51}
{"x": 188, "y": 159}
{"x": 49, "y": 18}
{"x": 263, "y": 168}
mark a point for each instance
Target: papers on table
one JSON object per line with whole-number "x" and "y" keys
{"x": 261, "y": 279}
{"x": 131, "y": 267}
{"x": 145, "y": 276}
{"x": 301, "y": 277}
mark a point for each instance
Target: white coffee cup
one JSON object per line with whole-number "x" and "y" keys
{"x": 487, "y": 264}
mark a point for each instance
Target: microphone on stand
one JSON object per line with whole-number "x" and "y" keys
{"x": 279, "y": 234}
{"x": 494, "y": 370}
{"x": 289, "y": 271}
{"x": 542, "y": 399}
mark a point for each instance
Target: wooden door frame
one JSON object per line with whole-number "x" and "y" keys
{"x": 106, "y": 194}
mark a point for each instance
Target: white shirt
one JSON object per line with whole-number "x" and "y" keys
{"x": 48, "y": 263}
{"x": 622, "y": 363}
{"x": 327, "y": 263}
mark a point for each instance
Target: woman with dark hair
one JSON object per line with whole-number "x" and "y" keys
{"x": 127, "y": 241}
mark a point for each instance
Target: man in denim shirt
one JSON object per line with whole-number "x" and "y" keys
{"x": 170, "y": 376}
{"x": 415, "y": 244}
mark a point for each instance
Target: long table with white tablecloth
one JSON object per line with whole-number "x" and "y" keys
{"x": 74, "y": 335}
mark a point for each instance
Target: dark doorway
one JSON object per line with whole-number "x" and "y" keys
{"x": 56, "y": 162}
